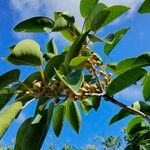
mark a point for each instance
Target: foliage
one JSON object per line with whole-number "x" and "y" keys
{"x": 76, "y": 77}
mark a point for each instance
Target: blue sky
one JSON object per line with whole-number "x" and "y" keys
{"x": 134, "y": 43}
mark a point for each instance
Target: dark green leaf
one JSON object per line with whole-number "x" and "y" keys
{"x": 37, "y": 130}
{"x": 86, "y": 105}
{"x": 21, "y": 133}
{"x": 9, "y": 77}
{"x": 78, "y": 62}
{"x": 35, "y": 24}
{"x": 51, "y": 47}
{"x": 112, "y": 66}
{"x": 145, "y": 8}
{"x": 58, "y": 119}
{"x": 68, "y": 16}
{"x": 118, "y": 36}
{"x": 8, "y": 115}
{"x": 96, "y": 100}
{"x": 146, "y": 87}
{"x": 48, "y": 56}
{"x": 97, "y": 8}
{"x": 142, "y": 60}
{"x": 73, "y": 115}
{"x": 5, "y": 95}
{"x": 26, "y": 52}
{"x": 86, "y": 6}
{"x": 53, "y": 63}
{"x": 125, "y": 80}
{"x": 74, "y": 50}
{"x": 99, "y": 20}
{"x": 73, "y": 81}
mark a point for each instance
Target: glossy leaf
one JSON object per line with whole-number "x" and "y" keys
{"x": 146, "y": 87}
{"x": 51, "y": 47}
{"x": 118, "y": 36}
{"x": 68, "y": 16}
{"x": 86, "y": 6}
{"x": 58, "y": 119}
{"x": 9, "y": 77}
{"x": 125, "y": 80}
{"x": 74, "y": 50}
{"x": 8, "y": 115}
{"x": 26, "y": 52}
{"x": 35, "y": 24}
{"x": 96, "y": 101}
{"x": 21, "y": 133}
{"x": 99, "y": 20}
{"x": 112, "y": 66}
{"x": 73, "y": 81}
{"x": 73, "y": 115}
{"x": 53, "y": 63}
{"x": 97, "y": 8}
{"x": 115, "y": 12}
{"x": 60, "y": 24}
{"x": 78, "y": 62}
{"x": 145, "y": 7}
{"x": 37, "y": 130}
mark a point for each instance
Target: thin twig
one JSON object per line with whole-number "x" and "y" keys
{"x": 128, "y": 108}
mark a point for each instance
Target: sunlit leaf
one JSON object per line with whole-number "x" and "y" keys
{"x": 26, "y": 52}
{"x": 35, "y": 24}
{"x": 125, "y": 80}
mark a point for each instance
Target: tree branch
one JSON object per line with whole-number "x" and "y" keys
{"x": 128, "y": 108}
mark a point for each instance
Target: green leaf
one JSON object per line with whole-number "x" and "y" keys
{"x": 8, "y": 115}
{"x": 124, "y": 65}
{"x": 112, "y": 66}
{"x": 97, "y": 8}
{"x": 125, "y": 80}
{"x": 58, "y": 119}
{"x": 73, "y": 115}
{"x": 133, "y": 124}
{"x": 96, "y": 101}
{"x": 145, "y": 7}
{"x": 120, "y": 115}
{"x": 78, "y": 62}
{"x": 60, "y": 24}
{"x": 142, "y": 60}
{"x": 26, "y": 52}
{"x": 53, "y": 63}
{"x": 74, "y": 50}
{"x": 36, "y": 76}
{"x": 20, "y": 134}
{"x": 118, "y": 36}
{"x": 139, "y": 105}
{"x": 115, "y": 12}
{"x": 68, "y": 16}
{"x": 5, "y": 95}
{"x": 35, "y": 24}
{"x": 37, "y": 130}
{"x": 86, "y": 105}
{"x": 86, "y": 6}
{"x": 9, "y": 77}
{"x": 48, "y": 56}
{"x": 51, "y": 47}
{"x": 12, "y": 47}
{"x": 73, "y": 81}
{"x": 71, "y": 33}
{"x": 99, "y": 20}
{"x": 108, "y": 39}
{"x": 146, "y": 87}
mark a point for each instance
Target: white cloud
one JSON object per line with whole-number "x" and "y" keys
{"x": 24, "y": 9}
